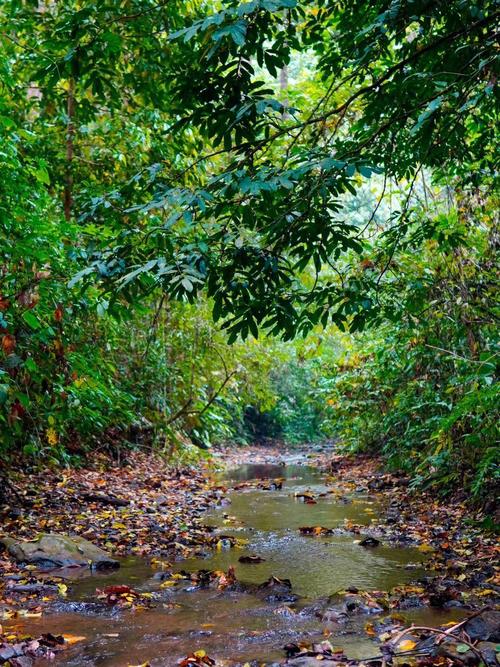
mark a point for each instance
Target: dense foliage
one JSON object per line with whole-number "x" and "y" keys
{"x": 180, "y": 175}
{"x": 422, "y": 389}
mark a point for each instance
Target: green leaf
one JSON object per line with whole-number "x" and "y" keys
{"x": 462, "y": 648}
{"x": 31, "y": 320}
{"x": 42, "y": 175}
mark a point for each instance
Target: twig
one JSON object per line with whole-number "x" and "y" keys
{"x": 446, "y": 633}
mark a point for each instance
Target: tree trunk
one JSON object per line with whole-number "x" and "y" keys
{"x": 70, "y": 140}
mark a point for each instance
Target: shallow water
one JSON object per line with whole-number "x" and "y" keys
{"x": 243, "y": 626}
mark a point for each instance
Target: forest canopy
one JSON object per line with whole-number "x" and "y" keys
{"x": 177, "y": 176}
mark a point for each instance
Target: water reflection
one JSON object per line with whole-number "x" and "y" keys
{"x": 242, "y": 626}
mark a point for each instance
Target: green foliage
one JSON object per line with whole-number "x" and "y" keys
{"x": 423, "y": 390}
{"x": 401, "y": 86}
{"x": 163, "y": 194}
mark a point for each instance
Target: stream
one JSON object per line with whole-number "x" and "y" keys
{"x": 243, "y": 626}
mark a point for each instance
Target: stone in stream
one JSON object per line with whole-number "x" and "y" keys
{"x": 52, "y": 550}
{"x": 275, "y": 590}
{"x": 304, "y": 661}
{"x": 369, "y": 542}
{"x": 450, "y": 649}
{"x": 489, "y": 651}
{"x": 356, "y": 604}
{"x": 334, "y": 616}
{"x": 484, "y": 626}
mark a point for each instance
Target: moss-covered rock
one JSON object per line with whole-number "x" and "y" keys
{"x": 52, "y": 550}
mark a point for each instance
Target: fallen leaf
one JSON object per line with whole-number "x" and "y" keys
{"x": 462, "y": 648}
{"x": 370, "y": 629}
{"x": 73, "y": 639}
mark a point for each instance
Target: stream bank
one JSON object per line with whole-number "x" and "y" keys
{"x": 305, "y": 524}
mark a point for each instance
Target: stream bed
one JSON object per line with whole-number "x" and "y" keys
{"x": 237, "y": 626}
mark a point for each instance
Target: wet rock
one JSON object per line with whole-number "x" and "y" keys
{"x": 162, "y": 576}
{"x": 369, "y": 542}
{"x": 21, "y": 661}
{"x": 52, "y": 550}
{"x": 381, "y": 483}
{"x": 278, "y": 585}
{"x": 285, "y": 611}
{"x": 489, "y": 651}
{"x": 32, "y": 588}
{"x": 443, "y": 596}
{"x": 281, "y": 597}
{"x": 277, "y": 590}
{"x": 409, "y": 602}
{"x": 451, "y": 650}
{"x": 311, "y": 611}
{"x": 454, "y": 604}
{"x": 355, "y": 604}
{"x": 8, "y": 652}
{"x": 334, "y": 616}
{"x": 84, "y": 608}
{"x": 484, "y": 627}
{"x": 251, "y": 560}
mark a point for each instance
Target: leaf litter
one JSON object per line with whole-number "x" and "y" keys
{"x": 157, "y": 515}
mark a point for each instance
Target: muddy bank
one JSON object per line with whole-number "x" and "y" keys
{"x": 144, "y": 509}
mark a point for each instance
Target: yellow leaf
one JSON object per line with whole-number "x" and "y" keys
{"x": 425, "y": 548}
{"x": 241, "y": 542}
{"x": 63, "y": 589}
{"x": 370, "y": 630}
{"x": 73, "y": 639}
{"x": 200, "y": 654}
{"x": 407, "y": 645}
{"x": 166, "y": 584}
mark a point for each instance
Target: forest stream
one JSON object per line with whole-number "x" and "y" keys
{"x": 252, "y": 624}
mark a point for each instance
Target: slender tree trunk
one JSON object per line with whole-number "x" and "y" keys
{"x": 70, "y": 148}
{"x": 284, "y": 87}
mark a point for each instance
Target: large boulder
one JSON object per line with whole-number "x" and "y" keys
{"x": 51, "y": 550}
